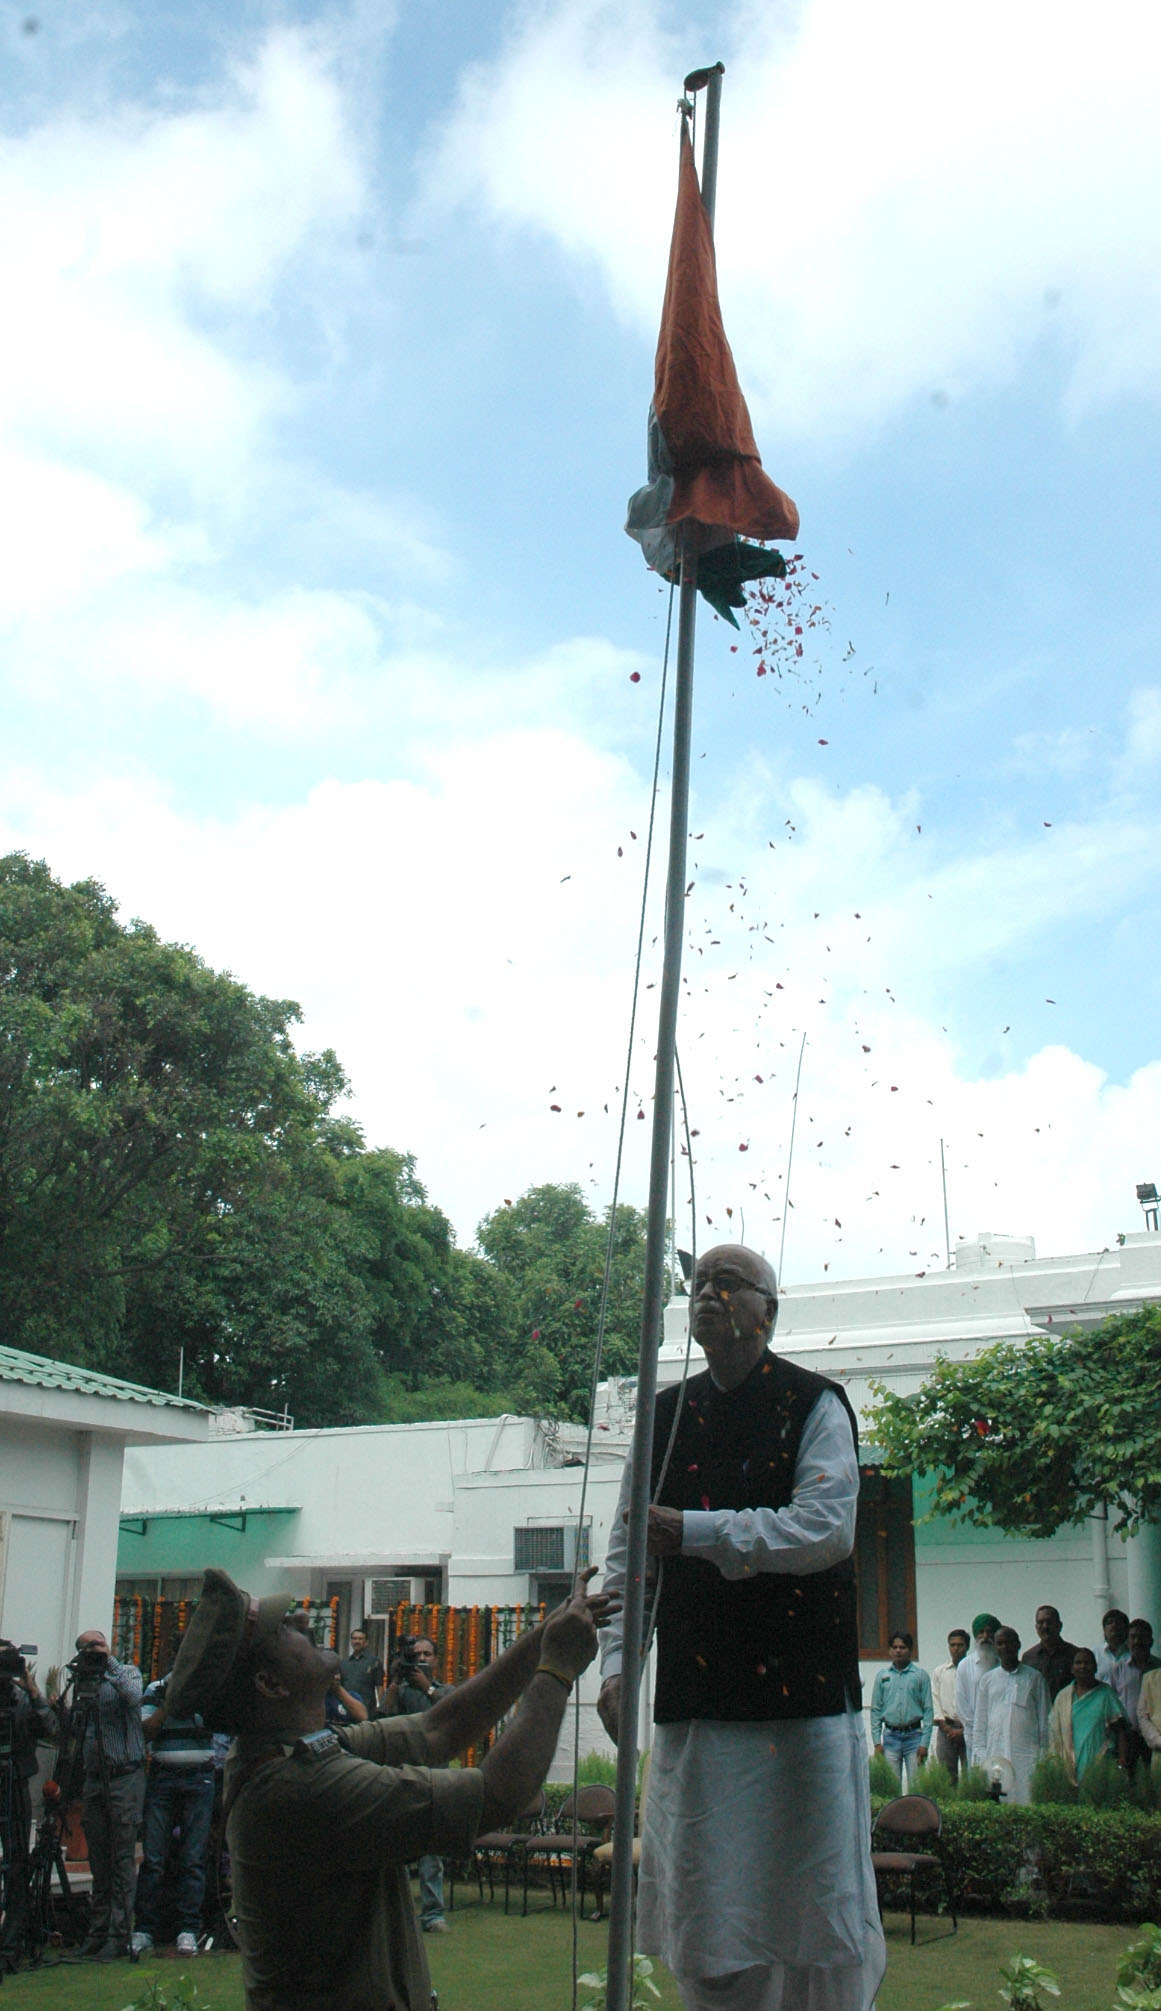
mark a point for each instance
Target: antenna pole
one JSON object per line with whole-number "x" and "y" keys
{"x": 619, "y": 1992}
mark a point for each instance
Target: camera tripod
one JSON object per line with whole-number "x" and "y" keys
{"x": 29, "y": 1919}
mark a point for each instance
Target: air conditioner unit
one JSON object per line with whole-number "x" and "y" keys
{"x": 382, "y": 1595}
{"x": 550, "y": 1546}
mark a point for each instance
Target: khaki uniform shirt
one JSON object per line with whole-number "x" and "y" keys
{"x": 320, "y": 1839}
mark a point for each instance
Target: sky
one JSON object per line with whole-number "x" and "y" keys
{"x": 326, "y": 362}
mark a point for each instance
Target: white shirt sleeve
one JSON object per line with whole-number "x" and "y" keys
{"x": 613, "y": 1577}
{"x": 815, "y": 1531}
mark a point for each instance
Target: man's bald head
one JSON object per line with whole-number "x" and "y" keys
{"x": 735, "y": 1305}
{"x": 737, "y": 1256}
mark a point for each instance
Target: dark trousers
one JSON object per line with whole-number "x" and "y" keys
{"x": 182, "y": 1799}
{"x": 111, "y": 1819}
{"x": 14, "y": 1877}
{"x": 950, "y": 1752}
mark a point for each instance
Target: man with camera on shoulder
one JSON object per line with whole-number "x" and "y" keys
{"x": 106, "y": 1696}
{"x": 413, "y": 1689}
{"x": 25, "y": 1719}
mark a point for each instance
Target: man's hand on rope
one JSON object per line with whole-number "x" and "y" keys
{"x": 570, "y": 1634}
{"x": 664, "y": 1533}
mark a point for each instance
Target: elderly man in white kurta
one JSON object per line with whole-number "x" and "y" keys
{"x": 1012, "y": 1712}
{"x": 980, "y": 1657}
{"x": 756, "y": 1884}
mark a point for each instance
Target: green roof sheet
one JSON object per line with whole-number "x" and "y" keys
{"x": 38, "y": 1370}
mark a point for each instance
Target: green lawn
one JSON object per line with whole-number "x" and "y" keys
{"x": 489, "y": 1963}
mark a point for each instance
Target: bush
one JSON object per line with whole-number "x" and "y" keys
{"x": 884, "y": 1780}
{"x": 597, "y": 1770}
{"x": 972, "y": 1785}
{"x": 1104, "y": 1785}
{"x": 933, "y": 1779}
{"x": 1104, "y": 1862}
{"x": 1051, "y": 1782}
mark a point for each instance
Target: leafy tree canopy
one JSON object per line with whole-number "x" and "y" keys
{"x": 1034, "y": 1435}
{"x": 176, "y": 1187}
{"x": 170, "y": 1168}
{"x": 551, "y": 1250}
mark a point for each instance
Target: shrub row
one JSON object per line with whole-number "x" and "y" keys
{"x": 1040, "y": 1861}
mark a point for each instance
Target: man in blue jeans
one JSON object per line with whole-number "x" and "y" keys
{"x": 179, "y": 1795}
{"x": 901, "y": 1709}
{"x": 413, "y": 1688}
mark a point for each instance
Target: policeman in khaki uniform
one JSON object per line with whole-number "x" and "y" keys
{"x": 322, "y": 1824}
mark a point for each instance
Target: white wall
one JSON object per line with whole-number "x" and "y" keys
{"x": 60, "y": 1495}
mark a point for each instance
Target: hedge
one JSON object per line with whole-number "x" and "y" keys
{"x": 1051, "y": 1860}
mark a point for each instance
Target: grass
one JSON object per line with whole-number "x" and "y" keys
{"x": 489, "y": 1963}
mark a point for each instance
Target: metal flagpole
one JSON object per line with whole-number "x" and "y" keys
{"x": 619, "y": 1989}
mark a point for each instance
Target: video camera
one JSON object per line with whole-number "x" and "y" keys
{"x": 13, "y": 1670}
{"x": 403, "y": 1662}
{"x": 86, "y": 1669}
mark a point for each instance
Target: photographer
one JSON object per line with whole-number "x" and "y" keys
{"x": 31, "y": 1721}
{"x": 413, "y": 1689}
{"x": 106, "y": 1694}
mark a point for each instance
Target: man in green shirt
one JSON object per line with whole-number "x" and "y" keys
{"x": 322, "y": 1825}
{"x": 901, "y": 1709}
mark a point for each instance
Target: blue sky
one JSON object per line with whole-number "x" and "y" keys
{"x": 327, "y": 363}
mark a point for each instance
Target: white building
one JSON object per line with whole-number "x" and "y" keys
{"x": 484, "y": 1511}
{"x": 63, "y": 1434}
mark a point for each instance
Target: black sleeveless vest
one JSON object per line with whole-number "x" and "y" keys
{"x": 773, "y": 1645}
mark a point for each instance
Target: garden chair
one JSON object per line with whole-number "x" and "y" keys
{"x": 499, "y": 1847}
{"x": 603, "y": 1854}
{"x": 911, "y": 1816}
{"x": 593, "y": 1806}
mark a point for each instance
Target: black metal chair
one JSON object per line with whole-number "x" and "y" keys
{"x": 593, "y": 1806}
{"x": 911, "y": 1816}
{"x": 500, "y": 1846}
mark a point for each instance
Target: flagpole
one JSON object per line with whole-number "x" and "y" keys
{"x": 619, "y": 1987}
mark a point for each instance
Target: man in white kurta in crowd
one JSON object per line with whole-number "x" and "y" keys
{"x": 949, "y": 1746}
{"x": 1011, "y": 1721}
{"x": 756, "y": 1884}
{"x": 980, "y": 1657}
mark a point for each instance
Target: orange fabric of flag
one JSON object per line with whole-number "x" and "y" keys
{"x": 698, "y": 404}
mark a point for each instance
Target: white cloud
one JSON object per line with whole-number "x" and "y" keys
{"x": 140, "y": 243}
{"x": 1143, "y": 739}
{"x": 68, "y": 534}
{"x": 912, "y": 199}
{"x": 465, "y": 939}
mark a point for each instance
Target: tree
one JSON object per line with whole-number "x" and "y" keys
{"x": 551, "y": 1250}
{"x": 1034, "y": 1435}
{"x": 170, "y": 1172}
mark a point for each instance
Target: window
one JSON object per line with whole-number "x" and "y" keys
{"x": 884, "y": 1561}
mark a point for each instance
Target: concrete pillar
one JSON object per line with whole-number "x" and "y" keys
{"x": 1143, "y": 1556}
{"x": 1101, "y": 1589}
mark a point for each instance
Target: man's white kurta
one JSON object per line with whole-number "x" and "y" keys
{"x": 1012, "y": 1709}
{"x": 968, "y": 1676}
{"x": 756, "y": 1849}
